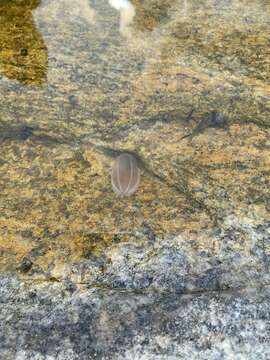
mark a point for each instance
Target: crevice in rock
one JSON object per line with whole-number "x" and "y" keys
{"x": 145, "y": 291}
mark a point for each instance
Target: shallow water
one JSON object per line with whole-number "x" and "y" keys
{"x": 182, "y": 85}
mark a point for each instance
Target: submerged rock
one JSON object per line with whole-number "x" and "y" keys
{"x": 180, "y": 269}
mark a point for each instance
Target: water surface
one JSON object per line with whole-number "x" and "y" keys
{"x": 183, "y": 85}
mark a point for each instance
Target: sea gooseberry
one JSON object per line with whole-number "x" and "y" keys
{"x": 125, "y": 175}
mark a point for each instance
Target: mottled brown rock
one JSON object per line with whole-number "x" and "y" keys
{"x": 183, "y": 86}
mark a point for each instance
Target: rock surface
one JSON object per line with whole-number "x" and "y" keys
{"x": 180, "y": 270}
{"x": 57, "y": 321}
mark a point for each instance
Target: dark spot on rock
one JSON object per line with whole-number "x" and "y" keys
{"x": 72, "y": 100}
{"x": 14, "y": 133}
{"x": 116, "y": 238}
{"x": 218, "y": 119}
{"x": 25, "y": 132}
{"x": 26, "y": 265}
{"x": 213, "y": 120}
{"x": 32, "y": 294}
{"x": 24, "y": 52}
